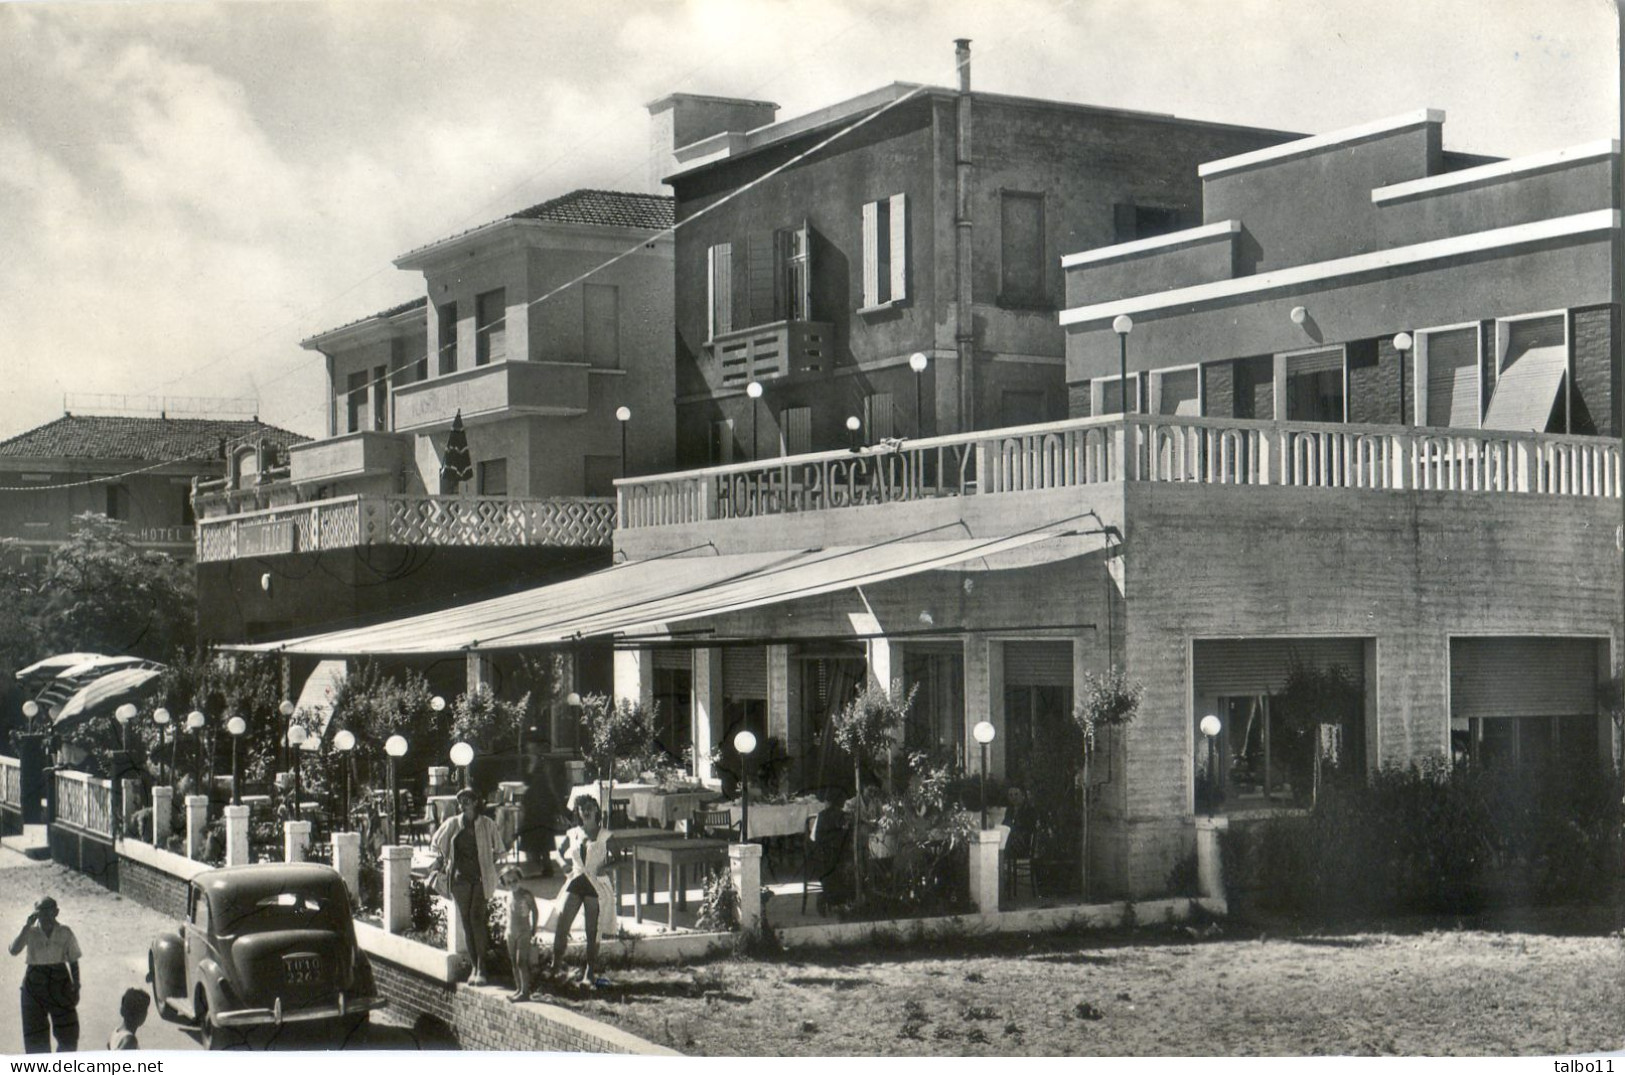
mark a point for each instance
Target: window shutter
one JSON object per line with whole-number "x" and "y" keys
{"x": 1246, "y": 666}
{"x": 797, "y": 430}
{"x": 673, "y": 660}
{"x": 719, "y": 282}
{"x": 898, "y": 247}
{"x": 803, "y": 249}
{"x": 1038, "y": 664}
{"x": 760, "y": 269}
{"x": 1316, "y": 362}
{"x": 871, "y": 253}
{"x": 1523, "y": 677}
{"x": 1452, "y": 378}
{"x": 744, "y": 672}
{"x": 881, "y": 424}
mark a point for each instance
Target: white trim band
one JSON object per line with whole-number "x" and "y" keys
{"x": 1377, "y": 261}
{"x": 1488, "y": 173}
{"x": 1316, "y": 143}
{"x": 1222, "y": 229}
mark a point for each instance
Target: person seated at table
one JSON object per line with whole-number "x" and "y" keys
{"x": 829, "y": 852}
{"x": 586, "y": 856}
{"x": 1022, "y": 821}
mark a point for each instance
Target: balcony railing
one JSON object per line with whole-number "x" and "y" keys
{"x": 11, "y": 783}
{"x": 780, "y": 349}
{"x": 346, "y": 522}
{"x": 84, "y": 802}
{"x": 1091, "y": 451}
{"x": 501, "y": 389}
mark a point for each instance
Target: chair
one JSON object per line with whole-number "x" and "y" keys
{"x": 619, "y": 819}
{"x": 1020, "y": 867}
{"x": 418, "y": 829}
{"x": 714, "y": 823}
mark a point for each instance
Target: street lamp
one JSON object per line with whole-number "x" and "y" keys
{"x": 754, "y": 391}
{"x": 395, "y": 747}
{"x": 623, "y": 415}
{"x": 1210, "y": 727}
{"x": 745, "y": 743}
{"x": 296, "y": 744}
{"x": 286, "y": 709}
{"x": 160, "y": 717}
{"x": 1402, "y": 343}
{"x": 344, "y": 742}
{"x": 983, "y": 733}
{"x": 236, "y": 726}
{"x": 917, "y": 362}
{"x": 461, "y": 755}
{"x": 194, "y": 724}
{"x": 124, "y": 714}
{"x": 852, "y": 426}
{"x": 1123, "y": 324}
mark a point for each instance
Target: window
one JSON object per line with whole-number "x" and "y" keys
{"x": 118, "y": 502}
{"x": 447, "y": 337}
{"x": 1106, "y": 394}
{"x": 188, "y": 518}
{"x": 795, "y": 301}
{"x": 1021, "y": 250}
{"x": 1531, "y": 388}
{"x": 1021, "y": 407}
{"x": 885, "y": 251}
{"x": 723, "y": 448}
{"x": 719, "y": 282}
{"x": 601, "y": 328}
{"x": 1447, "y": 377}
{"x": 1178, "y": 392}
{"x": 879, "y": 416}
{"x": 355, "y": 401}
{"x": 491, "y": 327}
{"x": 36, "y": 504}
{"x": 1315, "y": 386}
{"x": 600, "y": 472}
{"x": 403, "y": 369}
{"x": 493, "y": 477}
{"x": 1148, "y": 221}
{"x": 796, "y": 423}
{"x": 380, "y": 397}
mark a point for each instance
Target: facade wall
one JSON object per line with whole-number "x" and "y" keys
{"x": 155, "y": 502}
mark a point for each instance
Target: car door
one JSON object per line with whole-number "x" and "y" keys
{"x": 195, "y": 932}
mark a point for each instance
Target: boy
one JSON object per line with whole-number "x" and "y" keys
{"x": 132, "y": 1012}
{"x": 521, "y": 934}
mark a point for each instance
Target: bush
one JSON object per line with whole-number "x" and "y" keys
{"x": 718, "y": 911}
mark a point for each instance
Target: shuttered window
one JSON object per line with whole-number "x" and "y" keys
{"x": 1108, "y": 394}
{"x": 719, "y": 289}
{"x": 878, "y": 416}
{"x": 601, "y": 325}
{"x": 673, "y": 660}
{"x": 1523, "y": 677}
{"x": 797, "y": 423}
{"x": 1314, "y": 386}
{"x": 1037, "y": 664}
{"x": 491, "y": 327}
{"x": 1180, "y": 393}
{"x": 1248, "y": 666}
{"x": 744, "y": 672}
{"x": 1533, "y": 364}
{"x": 885, "y": 250}
{"x": 1452, "y": 377}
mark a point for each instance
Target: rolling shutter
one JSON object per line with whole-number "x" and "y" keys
{"x": 1038, "y": 664}
{"x": 744, "y": 672}
{"x": 761, "y": 272}
{"x": 673, "y": 660}
{"x": 719, "y": 282}
{"x": 1248, "y": 666}
{"x": 1452, "y": 378}
{"x": 1315, "y": 362}
{"x": 1523, "y": 677}
{"x": 797, "y": 430}
{"x": 1531, "y": 376}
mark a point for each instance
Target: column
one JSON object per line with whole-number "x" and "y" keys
{"x": 479, "y": 671}
{"x": 778, "y": 694}
{"x": 635, "y": 676}
{"x": 163, "y": 806}
{"x": 347, "y": 861}
{"x": 745, "y": 866}
{"x": 707, "y": 708}
{"x": 984, "y": 870}
{"x": 236, "y": 835}
{"x": 397, "y": 888}
{"x": 1209, "y": 868}
{"x": 197, "y": 823}
{"x": 295, "y": 840}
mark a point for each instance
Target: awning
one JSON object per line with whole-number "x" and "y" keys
{"x": 53, "y": 665}
{"x": 1527, "y": 391}
{"x": 125, "y": 685}
{"x": 642, "y": 597}
{"x": 97, "y": 664}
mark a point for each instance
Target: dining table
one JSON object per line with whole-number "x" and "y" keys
{"x": 678, "y": 855}
{"x": 665, "y": 808}
{"x": 594, "y": 790}
{"x": 775, "y": 819}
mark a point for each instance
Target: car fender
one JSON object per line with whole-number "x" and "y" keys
{"x": 217, "y": 990}
{"x": 168, "y": 954}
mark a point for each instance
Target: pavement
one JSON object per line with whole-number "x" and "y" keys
{"x": 114, "y": 934}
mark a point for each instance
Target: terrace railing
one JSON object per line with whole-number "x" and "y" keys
{"x": 84, "y": 802}
{"x": 1159, "y": 448}
{"x": 365, "y": 519}
{"x": 11, "y": 783}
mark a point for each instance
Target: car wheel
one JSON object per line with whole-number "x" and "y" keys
{"x": 213, "y": 1037}
{"x": 164, "y": 1011}
{"x": 353, "y": 1033}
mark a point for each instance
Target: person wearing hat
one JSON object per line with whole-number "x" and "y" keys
{"x": 50, "y": 991}
{"x": 468, "y": 846}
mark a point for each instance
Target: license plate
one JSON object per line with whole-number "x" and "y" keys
{"x": 301, "y": 970}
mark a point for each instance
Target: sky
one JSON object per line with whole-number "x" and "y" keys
{"x": 187, "y": 190}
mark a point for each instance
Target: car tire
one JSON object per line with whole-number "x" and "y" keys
{"x": 165, "y": 1012}
{"x": 213, "y": 1037}
{"x": 354, "y": 1032}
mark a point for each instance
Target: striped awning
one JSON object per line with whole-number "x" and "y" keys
{"x": 643, "y": 597}
{"x": 125, "y": 685}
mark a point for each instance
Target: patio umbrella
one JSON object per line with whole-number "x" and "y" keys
{"x": 53, "y": 665}
{"x": 457, "y": 466}
{"x": 98, "y": 664}
{"x": 115, "y": 688}
{"x": 317, "y": 696}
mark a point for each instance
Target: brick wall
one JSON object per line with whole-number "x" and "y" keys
{"x": 164, "y": 893}
{"x": 1079, "y": 400}
{"x": 1219, "y": 390}
{"x": 1373, "y": 389}
{"x": 1594, "y": 345}
{"x": 90, "y": 855}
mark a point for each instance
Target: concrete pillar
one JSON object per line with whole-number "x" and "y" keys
{"x": 635, "y": 676}
{"x": 236, "y": 835}
{"x": 984, "y": 870}
{"x": 707, "y": 708}
{"x": 347, "y": 861}
{"x": 456, "y": 935}
{"x": 778, "y": 694}
{"x": 163, "y": 806}
{"x": 745, "y": 864}
{"x": 197, "y": 823}
{"x": 397, "y": 888}
{"x": 439, "y": 780}
{"x": 479, "y": 671}
{"x": 1209, "y": 868}
{"x": 295, "y": 840}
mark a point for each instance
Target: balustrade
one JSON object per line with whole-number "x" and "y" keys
{"x": 84, "y": 802}
{"x": 11, "y": 783}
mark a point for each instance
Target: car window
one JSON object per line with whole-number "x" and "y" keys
{"x": 284, "y": 910}
{"x": 200, "y": 909}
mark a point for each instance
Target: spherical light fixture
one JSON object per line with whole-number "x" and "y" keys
{"x": 983, "y": 732}
{"x": 286, "y": 709}
{"x": 194, "y": 720}
{"x": 395, "y": 746}
{"x": 573, "y": 699}
{"x": 461, "y": 754}
{"x": 1122, "y": 324}
{"x": 754, "y": 390}
{"x": 297, "y": 735}
{"x": 160, "y": 716}
{"x": 1299, "y": 315}
{"x": 344, "y": 741}
{"x": 124, "y": 713}
{"x": 918, "y": 361}
{"x": 623, "y": 414}
{"x": 236, "y": 726}
{"x": 1403, "y": 341}
{"x": 31, "y": 709}
{"x": 1210, "y": 725}
{"x": 853, "y": 424}
{"x": 437, "y": 703}
{"x": 745, "y": 742}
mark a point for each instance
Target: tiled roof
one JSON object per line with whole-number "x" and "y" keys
{"x": 382, "y": 315}
{"x": 147, "y": 439}
{"x": 601, "y": 208}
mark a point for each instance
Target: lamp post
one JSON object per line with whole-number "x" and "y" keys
{"x": 344, "y": 742}
{"x": 286, "y": 709}
{"x": 194, "y": 724}
{"x": 1210, "y": 727}
{"x": 1123, "y": 324}
{"x": 395, "y": 747}
{"x": 1402, "y": 343}
{"x": 623, "y": 415}
{"x": 160, "y": 717}
{"x": 983, "y": 732}
{"x": 124, "y": 714}
{"x": 296, "y": 746}
{"x": 745, "y": 743}
{"x": 236, "y": 726}
{"x": 461, "y": 755}
{"x": 30, "y": 710}
{"x": 853, "y": 424}
{"x": 917, "y": 362}
{"x": 754, "y": 391}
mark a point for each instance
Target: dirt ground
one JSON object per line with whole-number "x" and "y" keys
{"x": 1156, "y": 991}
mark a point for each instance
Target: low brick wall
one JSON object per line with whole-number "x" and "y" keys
{"x": 92, "y": 855}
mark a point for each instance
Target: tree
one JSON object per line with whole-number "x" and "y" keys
{"x": 615, "y": 729}
{"x": 1109, "y": 701}
{"x": 866, "y": 728}
{"x": 102, "y": 594}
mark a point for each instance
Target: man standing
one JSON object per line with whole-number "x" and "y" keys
{"x": 50, "y": 991}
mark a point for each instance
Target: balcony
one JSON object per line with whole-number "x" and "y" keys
{"x": 351, "y": 521}
{"x": 1091, "y": 451}
{"x": 781, "y": 349}
{"x": 349, "y": 456}
{"x": 500, "y": 390}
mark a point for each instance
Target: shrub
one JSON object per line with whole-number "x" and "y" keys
{"x": 718, "y": 911}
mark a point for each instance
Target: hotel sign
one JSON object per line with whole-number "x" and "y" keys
{"x": 267, "y": 538}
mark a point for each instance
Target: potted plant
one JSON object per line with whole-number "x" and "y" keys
{"x": 866, "y": 728}
{"x": 1108, "y": 702}
{"x": 615, "y": 729}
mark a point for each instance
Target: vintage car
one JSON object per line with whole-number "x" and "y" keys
{"x": 265, "y": 948}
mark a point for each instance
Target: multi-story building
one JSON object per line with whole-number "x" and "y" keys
{"x": 138, "y": 469}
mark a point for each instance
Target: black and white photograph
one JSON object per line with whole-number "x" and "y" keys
{"x": 767, "y": 528}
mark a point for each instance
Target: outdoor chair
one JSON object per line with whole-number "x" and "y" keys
{"x": 418, "y": 829}
{"x": 1020, "y": 867}
{"x": 714, "y": 823}
{"x": 619, "y": 819}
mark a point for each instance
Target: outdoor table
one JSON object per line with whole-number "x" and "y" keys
{"x": 508, "y": 823}
{"x": 776, "y": 819}
{"x": 512, "y": 790}
{"x": 667, "y": 808}
{"x": 677, "y": 855}
{"x": 623, "y": 841}
{"x": 256, "y": 801}
{"x": 444, "y": 806}
{"x": 595, "y": 789}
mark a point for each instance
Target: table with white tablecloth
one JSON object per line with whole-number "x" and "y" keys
{"x": 667, "y": 808}
{"x": 776, "y": 819}
{"x": 595, "y": 789}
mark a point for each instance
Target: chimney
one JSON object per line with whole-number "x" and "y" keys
{"x": 682, "y": 121}
{"x": 964, "y": 320}
{"x": 962, "y": 62}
